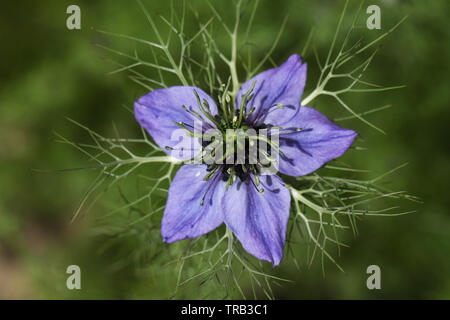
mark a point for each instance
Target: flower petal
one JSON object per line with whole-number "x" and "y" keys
{"x": 184, "y": 216}
{"x": 283, "y": 85}
{"x": 258, "y": 220}
{"x": 159, "y": 109}
{"x": 319, "y": 141}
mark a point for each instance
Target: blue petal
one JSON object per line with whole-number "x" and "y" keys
{"x": 184, "y": 216}
{"x": 258, "y": 220}
{"x": 158, "y": 110}
{"x": 319, "y": 141}
{"x": 283, "y": 85}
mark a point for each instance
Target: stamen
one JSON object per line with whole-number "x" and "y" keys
{"x": 271, "y": 143}
{"x": 230, "y": 178}
{"x": 209, "y": 187}
{"x": 182, "y": 125}
{"x": 244, "y": 103}
{"x": 256, "y": 180}
{"x": 195, "y": 114}
{"x": 209, "y": 175}
{"x": 287, "y": 131}
{"x": 214, "y": 145}
{"x": 202, "y": 109}
{"x": 267, "y": 111}
{"x": 251, "y": 112}
{"x": 225, "y": 101}
{"x": 206, "y": 104}
{"x": 261, "y": 191}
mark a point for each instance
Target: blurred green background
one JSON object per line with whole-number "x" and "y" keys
{"x": 49, "y": 73}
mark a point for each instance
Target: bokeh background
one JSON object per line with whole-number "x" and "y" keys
{"x": 49, "y": 73}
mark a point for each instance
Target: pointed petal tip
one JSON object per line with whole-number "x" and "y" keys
{"x": 173, "y": 238}
{"x": 139, "y": 113}
{"x": 259, "y": 221}
{"x": 352, "y": 134}
{"x": 295, "y": 58}
{"x": 276, "y": 263}
{"x": 166, "y": 239}
{"x": 319, "y": 142}
{"x": 268, "y": 256}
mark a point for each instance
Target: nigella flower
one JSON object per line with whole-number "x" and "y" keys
{"x": 255, "y": 207}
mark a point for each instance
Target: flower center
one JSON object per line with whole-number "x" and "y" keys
{"x": 239, "y": 153}
{"x": 240, "y": 146}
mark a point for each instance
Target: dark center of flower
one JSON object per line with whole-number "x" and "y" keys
{"x": 239, "y": 145}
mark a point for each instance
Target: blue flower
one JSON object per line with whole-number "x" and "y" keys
{"x": 255, "y": 207}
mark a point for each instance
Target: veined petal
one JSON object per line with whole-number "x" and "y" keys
{"x": 318, "y": 142}
{"x": 184, "y": 216}
{"x": 258, "y": 220}
{"x": 158, "y": 111}
{"x": 283, "y": 85}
